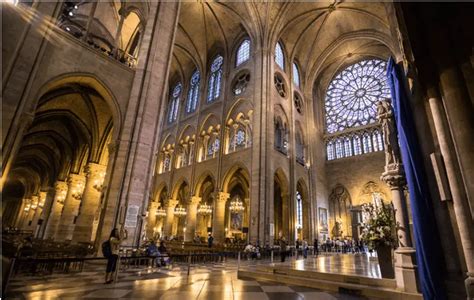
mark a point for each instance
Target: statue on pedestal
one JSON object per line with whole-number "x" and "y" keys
{"x": 389, "y": 129}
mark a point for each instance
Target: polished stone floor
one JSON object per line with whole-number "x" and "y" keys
{"x": 362, "y": 264}
{"x": 209, "y": 281}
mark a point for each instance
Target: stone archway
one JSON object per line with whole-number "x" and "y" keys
{"x": 339, "y": 211}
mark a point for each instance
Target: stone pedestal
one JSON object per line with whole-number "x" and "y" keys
{"x": 405, "y": 269}
{"x": 169, "y": 207}
{"x": 71, "y": 205}
{"x": 191, "y": 217}
{"x": 218, "y": 230}
{"x": 90, "y": 203}
{"x": 60, "y": 192}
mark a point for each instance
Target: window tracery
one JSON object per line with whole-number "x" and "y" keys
{"x": 240, "y": 83}
{"x": 279, "y": 57}
{"x": 351, "y": 103}
{"x": 215, "y": 79}
{"x": 281, "y": 137}
{"x": 353, "y": 94}
{"x": 298, "y": 103}
{"x": 300, "y": 148}
{"x": 280, "y": 85}
{"x": 174, "y": 103}
{"x": 193, "y": 94}
{"x": 296, "y": 75}
{"x": 243, "y": 53}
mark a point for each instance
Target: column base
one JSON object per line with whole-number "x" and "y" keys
{"x": 405, "y": 270}
{"x": 469, "y": 283}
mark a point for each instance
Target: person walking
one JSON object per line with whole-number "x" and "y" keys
{"x": 111, "y": 249}
{"x": 283, "y": 245}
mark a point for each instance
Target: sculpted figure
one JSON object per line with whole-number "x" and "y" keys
{"x": 385, "y": 118}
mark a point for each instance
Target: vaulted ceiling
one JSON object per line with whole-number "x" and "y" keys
{"x": 319, "y": 36}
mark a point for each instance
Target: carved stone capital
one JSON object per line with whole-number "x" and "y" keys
{"x": 222, "y": 197}
{"x": 171, "y": 203}
{"x": 394, "y": 176}
{"x": 194, "y": 200}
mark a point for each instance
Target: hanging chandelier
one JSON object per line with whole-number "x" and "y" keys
{"x": 160, "y": 213}
{"x": 180, "y": 211}
{"x": 205, "y": 209}
{"x": 236, "y": 205}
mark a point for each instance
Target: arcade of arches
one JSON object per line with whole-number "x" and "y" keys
{"x": 245, "y": 121}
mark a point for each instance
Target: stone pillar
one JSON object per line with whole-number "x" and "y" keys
{"x": 118, "y": 33}
{"x": 60, "y": 191}
{"x": 151, "y": 219}
{"x": 191, "y": 217}
{"x": 460, "y": 205}
{"x": 47, "y": 210}
{"x": 90, "y": 203}
{"x": 405, "y": 268}
{"x": 30, "y": 225}
{"x": 169, "y": 207}
{"x": 20, "y": 214}
{"x": 71, "y": 206}
{"x": 38, "y": 213}
{"x": 25, "y": 213}
{"x": 218, "y": 217}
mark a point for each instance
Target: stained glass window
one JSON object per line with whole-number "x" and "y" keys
{"x": 193, "y": 94}
{"x": 339, "y": 149}
{"x": 243, "y": 53}
{"x": 299, "y": 148}
{"x": 240, "y": 137}
{"x": 296, "y": 75}
{"x": 357, "y": 145}
{"x": 352, "y": 96}
{"x": 174, "y": 103}
{"x": 367, "y": 143}
{"x": 347, "y": 147}
{"x": 330, "y": 150}
{"x": 215, "y": 79}
{"x": 377, "y": 141}
{"x": 299, "y": 210}
{"x": 279, "y": 57}
{"x": 213, "y": 147}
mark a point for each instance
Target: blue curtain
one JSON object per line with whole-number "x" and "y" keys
{"x": 428, "y": 253}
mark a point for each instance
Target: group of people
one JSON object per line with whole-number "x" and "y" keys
{"x": 343, "y": 245}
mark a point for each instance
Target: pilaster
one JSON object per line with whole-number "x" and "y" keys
{"x": 71, "y": 207}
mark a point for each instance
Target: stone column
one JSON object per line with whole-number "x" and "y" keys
{"x": 118, "y": 33}
{"x": 460, "y": 205}
{"x": 405, "y": 268}
{"x": 191, "y": 217}
{"x": 169, "y": 207}
{"x": 90, "y": 203}
{"x": 218, "y": 216}
{"x": 38, "y": 213}
{"x": 394, "y": 177}
{"x": 151, "y": 219}
{"x": 60, "y": 192}
{"x": 31, "y": 213}
{"x": 25, "y": 213}
{"x": 47, "y": 209}
{"x": 71, "y": 205}
{"x": 21, "y": 214}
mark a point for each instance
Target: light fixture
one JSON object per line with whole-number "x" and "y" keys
{"x": 27, "y": 207}
{"x": 205, "y": 209}
{"x": 236, "y": 205}
{"x": 180, "y": 211}
{"x": 99, "y": 182}
{"x": 160, "y": 213}
{"x": 71, "y": 14}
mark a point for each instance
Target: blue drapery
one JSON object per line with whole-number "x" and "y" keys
{"x": 428, "y": 255}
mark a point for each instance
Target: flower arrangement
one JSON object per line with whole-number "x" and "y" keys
{"x": 379, "y": 226}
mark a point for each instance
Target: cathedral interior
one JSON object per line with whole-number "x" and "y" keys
{"x": 248, "y": 122}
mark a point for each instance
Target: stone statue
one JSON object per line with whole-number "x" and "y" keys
{"x": 385, "y": 118}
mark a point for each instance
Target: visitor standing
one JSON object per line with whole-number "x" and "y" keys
{"x": 110, "y": 249}
{"x": 316, "y": 247}
{"x": 305, "y": 248}
{"x": 283, "y": 245}
{"x": 210, "y": 240}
